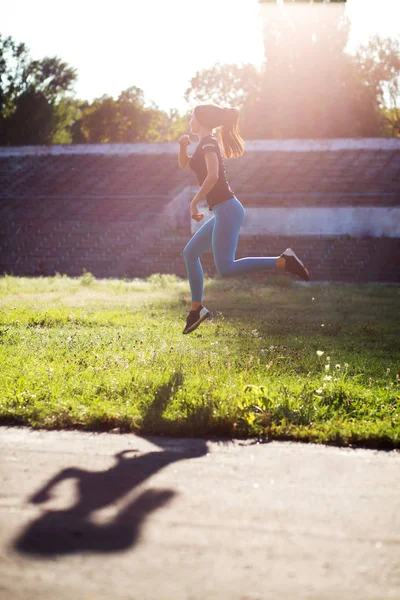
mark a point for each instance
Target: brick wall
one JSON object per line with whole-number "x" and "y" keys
{"x": 124, "y": 210}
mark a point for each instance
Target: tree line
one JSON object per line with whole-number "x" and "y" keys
{"x": 315, "y": 90}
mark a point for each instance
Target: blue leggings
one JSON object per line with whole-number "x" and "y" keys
{"x": 221, "y": 234}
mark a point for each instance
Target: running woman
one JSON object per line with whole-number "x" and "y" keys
{"x": 221, "y": 232}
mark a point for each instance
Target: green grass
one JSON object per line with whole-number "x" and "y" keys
{"x": 100, "y": 354}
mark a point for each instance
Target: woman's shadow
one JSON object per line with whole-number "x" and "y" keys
{"x": 73, "y": 530}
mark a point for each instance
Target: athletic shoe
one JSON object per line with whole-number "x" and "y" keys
{"x": 195, "y": 317}
{"x": 294, "y": 265}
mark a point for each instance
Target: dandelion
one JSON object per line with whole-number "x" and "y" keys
{"x": 337, "y": 366}
{"x": 328, "y": 358}
{"x": 327, "y": 367}
{"x": 320, "y": 352}
{"x": 319, "y": 391}
{"x": 327, "y": 378}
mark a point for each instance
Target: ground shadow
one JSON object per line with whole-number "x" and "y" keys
{"x": 162, "y": 396}
{"x": 71, "y": 530}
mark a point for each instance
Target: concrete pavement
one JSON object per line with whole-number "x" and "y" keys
{"x": 97, "y": 515}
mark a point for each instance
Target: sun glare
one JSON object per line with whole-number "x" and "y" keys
{"x": 159, "y": 45}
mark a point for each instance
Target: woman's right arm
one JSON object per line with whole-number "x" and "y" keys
{"x": 183, "y": 158}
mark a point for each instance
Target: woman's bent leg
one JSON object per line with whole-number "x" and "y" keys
{"x": 197, "y": 245}
{"x": 229, "y": 216}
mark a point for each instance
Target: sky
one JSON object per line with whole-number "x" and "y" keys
{"x": 158, "y": 45}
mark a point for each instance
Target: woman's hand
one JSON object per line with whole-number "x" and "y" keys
{"x": 194, "y": 212}
{"x": 184, "y": 140}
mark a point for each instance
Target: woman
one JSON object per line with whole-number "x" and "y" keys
{"x": 221, "y": 232}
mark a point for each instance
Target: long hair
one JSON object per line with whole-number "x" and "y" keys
{"x": 213, "y": 115}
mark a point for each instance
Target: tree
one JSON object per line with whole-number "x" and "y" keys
{"x": 33, "y": 109}
{"x": 50, "y": 76}
{"x": 14, "y": 60}
{"x": 379, "y": 64}
{"x": 223, "y": 84}
{"x": 309, "y": 86}
{"x": 31, "y": 122}
{"x": 67, "y": 111}
{"x": 125, "y": 120}
{"x": 168, "y": 127}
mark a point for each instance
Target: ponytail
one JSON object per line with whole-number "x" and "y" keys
{"x": 231, "y": 140}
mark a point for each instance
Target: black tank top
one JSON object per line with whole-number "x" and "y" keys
{"x": 221, "y": 190}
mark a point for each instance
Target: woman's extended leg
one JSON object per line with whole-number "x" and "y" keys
{"x": 197, "y": 245}
{"x": 229, "y": 216}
